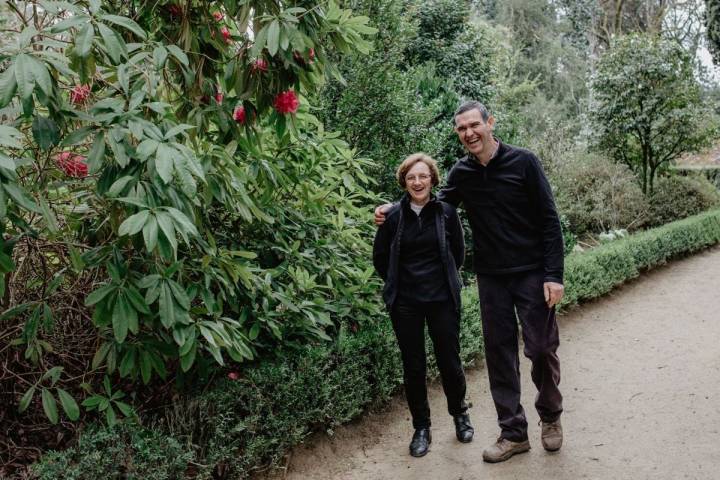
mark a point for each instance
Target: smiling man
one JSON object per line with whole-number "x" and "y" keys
{"x": 518, "y": 259}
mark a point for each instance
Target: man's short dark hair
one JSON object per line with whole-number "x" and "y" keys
{"x": 472, "y": 105}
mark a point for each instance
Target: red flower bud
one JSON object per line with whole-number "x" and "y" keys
{"x": 227, "y": 36}
{"x": 219, "y": 97}
{"x": 79, "y": 94}
{"x": 239, "y": 114}
{"x": 259, "y": 65}
{"x": 233, "y": 375}
{"x": 311, "y": 54}
{"x": 286, "y": 102}
{"x": 174, "y": 10}
{"x": 218, "y": 16}
{"x": 73, "y": 165}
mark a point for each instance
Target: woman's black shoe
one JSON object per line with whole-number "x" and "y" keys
{"x": 420, "y": 443}
{"x": 463, "y": 429}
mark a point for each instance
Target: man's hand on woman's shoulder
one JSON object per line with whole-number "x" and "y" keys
{"x": 380, "y": 213}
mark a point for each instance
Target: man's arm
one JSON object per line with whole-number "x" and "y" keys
{"x": 381, "y": 250}
{"x": 551, "y": 231}
{"x": 449, "y": 193}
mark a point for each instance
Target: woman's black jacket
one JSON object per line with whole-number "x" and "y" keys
{"x": 386, "y": 248}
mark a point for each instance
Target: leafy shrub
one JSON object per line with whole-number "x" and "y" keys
{"x": 677, "y": 197}
{"x": 179, "y": 191}
{"x": 124, "y": 451}
{"x": 597, "y": 194}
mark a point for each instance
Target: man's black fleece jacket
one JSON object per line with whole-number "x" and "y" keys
{"x": 512, "y": 213}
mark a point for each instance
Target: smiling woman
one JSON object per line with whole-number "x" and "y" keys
{"x": 418, "y": 251}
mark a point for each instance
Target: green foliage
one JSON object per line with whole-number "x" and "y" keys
{"x": 647, "y": 109}
{"x": 593, "y": 273}
{"x": 125, "y": 451}
{"x": 202, "y": 236}
{"x": 597, "y": 194}
{"x": 399, "y": 100}
{"x": 677, "y": 197}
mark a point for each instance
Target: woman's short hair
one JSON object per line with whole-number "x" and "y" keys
{"x": 410, "y": 161}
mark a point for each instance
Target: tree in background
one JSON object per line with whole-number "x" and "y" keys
{"x": 646, "y": 105}
{"x": 400, "y": 99}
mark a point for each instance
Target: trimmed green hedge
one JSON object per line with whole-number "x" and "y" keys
{"x": 238, "y": 426}
{"x": 595, "y": 272}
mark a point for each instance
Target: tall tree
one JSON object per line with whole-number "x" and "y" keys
{"x": 647, "y": 109}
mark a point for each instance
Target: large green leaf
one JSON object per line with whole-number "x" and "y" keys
{"x": 125, "y": 23}
{"x": 165, "y": 160}
{"x": 150, "y": 234}
{"x": 40, "y": 73}
{"x": 83, "y": 40}
{"x": 114, "y": 45}
{"x": 97, "y": 153}
{"x": 46, "y": 132}
{"x": 273, "y": 37}
{"x": 120, "y": 319}
{"x": 50, "y": 406}
{"x": 10, "y": 137}
{"x": 69, "y": 404}
{"x": 8, "y": 85}
{"x": 21, "y": 197}
{"x": 134, "y": 223}
{"x": 26, "y": 399}
{"x": 178, "y": 54}
{"x": 24, "y": 78}
{"x": 97, "y": 295}
{"x": 72, "y": 22}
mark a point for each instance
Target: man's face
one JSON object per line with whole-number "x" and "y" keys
{"x": 475, "y": 133}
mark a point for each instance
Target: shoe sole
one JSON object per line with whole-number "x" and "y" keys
{"x": 508, "y": 455}
{"x": 547, "y": 449}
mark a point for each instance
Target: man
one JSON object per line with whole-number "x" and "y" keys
{"x": 518, "y": 259}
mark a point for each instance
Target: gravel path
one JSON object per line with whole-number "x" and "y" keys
{"x": 641, "y": 380}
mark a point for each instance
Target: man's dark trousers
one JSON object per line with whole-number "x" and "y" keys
{"x": 500, "y": 297}
{"x": 443, "y": 321}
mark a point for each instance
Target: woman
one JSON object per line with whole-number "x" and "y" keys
{"x": 418, "y": 251}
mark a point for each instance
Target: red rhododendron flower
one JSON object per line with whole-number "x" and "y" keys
{"x": 218, "y": 16}
{"x": 233, "y": 375}
{"x": 286, "y": 102}
{"x": 239, "y": 114}
{"x": 79, "y": 94}
{"x": 260, "y": 64}
{"x": 219, "y": 97}
{"x": 226, "y": 34}
{"x": 73, "y": 165}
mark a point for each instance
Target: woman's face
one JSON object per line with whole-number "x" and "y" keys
{"x": 418, "y": 182}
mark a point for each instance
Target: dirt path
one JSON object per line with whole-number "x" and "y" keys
{"x": 641, "y": 379}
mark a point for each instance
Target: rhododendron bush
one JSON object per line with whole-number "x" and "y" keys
{"x": 167, "y": 200}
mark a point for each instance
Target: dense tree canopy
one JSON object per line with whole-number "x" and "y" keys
{"x": 647, "y": 107}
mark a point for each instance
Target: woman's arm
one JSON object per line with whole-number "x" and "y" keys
{"x": 457, "y": 238}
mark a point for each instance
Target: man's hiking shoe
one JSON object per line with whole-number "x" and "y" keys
{"x": 504, "y": 449}
{"x": 551, "y": 435}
